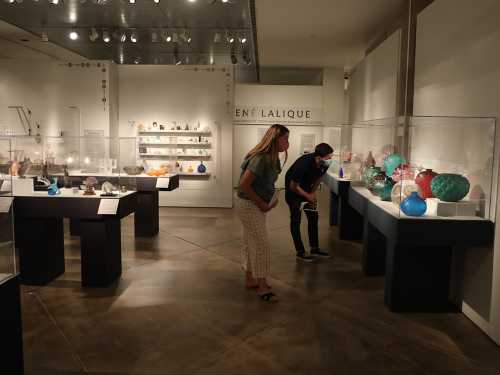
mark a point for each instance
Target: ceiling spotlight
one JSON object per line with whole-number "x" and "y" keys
{"x": 55, "y": 2}
{"x": 191, "y": 1}
{"x": 9, "y": 1}
{"x": 73, "y": 35}
{"x": 229, "y": 37}
{"x": 243, "y": 39}
{"x": 93, "y": 35}
{"x": 217, "y": 37}
{"x": 106, "y": 37}
{"x": 225, "y": 1}
{"x": 185, "y": 36}
{"x": 167, "y": 37}
{"x": 137, "y": 60}
{"x": 134, "y": 37}
{"x": 154, "y": 37}
{"x": 156, "y": 1}
{"x": 131, "y": 1}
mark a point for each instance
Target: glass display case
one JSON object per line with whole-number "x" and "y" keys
{"x": 8, "y": 262}
{"x": 185, "y": 149}
{"x": 448, "y": 172}
{"x": 73, "y": 166}
{"x": 361, "y": 146}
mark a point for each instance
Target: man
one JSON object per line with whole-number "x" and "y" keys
{"x": 301, "y": 182}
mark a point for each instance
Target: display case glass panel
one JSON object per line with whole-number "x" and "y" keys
{"x": 70, "y": 166}
{"x": 339, "y": 137}
{"x": 8, "y": 262}
{"x": 453, "y": 163}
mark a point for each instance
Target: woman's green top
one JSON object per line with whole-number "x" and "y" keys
{"x": 265, "y": 173}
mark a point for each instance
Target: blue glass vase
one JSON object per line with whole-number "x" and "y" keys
{"x": 53, "y": 189}
{"x": 201, "y": 168}
{"x": 413, "y": 205}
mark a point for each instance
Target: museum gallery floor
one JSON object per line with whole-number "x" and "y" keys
{"x": 180, "y": 308}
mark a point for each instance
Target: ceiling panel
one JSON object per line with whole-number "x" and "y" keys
{"x": 200, "y": 19}
{"x": 319, "y": 33}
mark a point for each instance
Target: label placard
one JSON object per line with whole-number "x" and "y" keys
{"x": 162, "y": 182}
{"x": 108, "y": 206}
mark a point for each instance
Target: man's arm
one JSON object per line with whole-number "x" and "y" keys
{"x": 295, "y": 187}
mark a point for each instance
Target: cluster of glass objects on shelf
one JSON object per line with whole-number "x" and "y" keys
{"x": 446, "y": 169}
{"x": 176, "y": 148}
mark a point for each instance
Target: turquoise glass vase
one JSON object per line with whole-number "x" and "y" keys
{"x": 413, "y": 205}
{"x": 53, "y": 189}
{"x": 392, "y": 161}
{"x": 450, "y": 187}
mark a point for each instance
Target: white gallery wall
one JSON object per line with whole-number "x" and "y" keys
{"x": 58, "y": 95}
{"x": 303, "y": 132}
{"x": 457, "y": 73}
{"x": 373, "y": 83}
{"x": 184, "y": 95}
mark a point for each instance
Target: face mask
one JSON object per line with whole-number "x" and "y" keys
{"x": 326, "y": 163}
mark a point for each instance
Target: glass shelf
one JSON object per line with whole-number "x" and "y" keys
{"x": 191, "y": 132}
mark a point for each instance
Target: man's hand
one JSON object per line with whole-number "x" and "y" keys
{"x": 311, "y": 198}
{"x": 264, "y": 207}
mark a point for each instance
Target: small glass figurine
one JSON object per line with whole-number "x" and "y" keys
{"x": 89, "y": 183}
{"x": 53, "y": 189}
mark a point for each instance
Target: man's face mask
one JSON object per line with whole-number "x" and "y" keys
{"x": 326, "y": 163}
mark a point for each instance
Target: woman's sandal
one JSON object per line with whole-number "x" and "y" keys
{"x": 269, "y": 297}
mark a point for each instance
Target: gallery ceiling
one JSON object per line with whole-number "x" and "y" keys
{"x": 321, "y": 33}
{"x": 140, "y": 31}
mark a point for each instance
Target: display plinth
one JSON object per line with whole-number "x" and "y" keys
{"x": 416, "y": 252}
{"x": 147, "y": 214}
{"x": 11, "y": 327}
{"x": 42, "y": 254}
{"x": 350, "y": 222}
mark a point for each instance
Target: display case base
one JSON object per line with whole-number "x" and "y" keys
{"x": 11, "y": 327}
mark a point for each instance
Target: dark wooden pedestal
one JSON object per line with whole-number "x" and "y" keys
{"x": 415, "y": 254}
{"x": 41, "y": 249}
{"x": 349, "y": 221}
{"x": 11, "y": 327}
{"x": 101, "y": 251}
{"x": 147, "y": 214}
{"x": 40, "y": 237}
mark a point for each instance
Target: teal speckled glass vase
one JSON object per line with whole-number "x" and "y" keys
{"x": 450, "y": 187}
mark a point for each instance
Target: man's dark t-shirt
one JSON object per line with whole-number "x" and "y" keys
{"x": 304, "y": 172}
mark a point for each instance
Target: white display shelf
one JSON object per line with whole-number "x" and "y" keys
{"x": 68, "y": 193}
{"x": 176, "y": 155}
{"x": 175, "y": 144}
{"x": 176, "y": 132}
{"x": 394, "y": 210}
{"x": 206, "y": 174}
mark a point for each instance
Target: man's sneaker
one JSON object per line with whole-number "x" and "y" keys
{"x": 305, "y": 258}
{"x": 320, "y": 253}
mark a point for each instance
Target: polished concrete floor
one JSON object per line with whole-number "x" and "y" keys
{"x": 181, "y": 308}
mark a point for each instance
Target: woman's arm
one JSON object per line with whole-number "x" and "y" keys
{"x": 246, "y": 186}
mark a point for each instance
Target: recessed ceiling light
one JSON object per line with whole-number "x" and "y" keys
{"x": 131, "y": 1}
{"x": 9, "y": 1}
{"x": 106, "y": 37}
{"x": 191, "y": 1}
{"x": 225, "y": 1}
{"x": 134, "y": 37}
{"x": 73, "y": 35}
{"x": 156, "y": 1}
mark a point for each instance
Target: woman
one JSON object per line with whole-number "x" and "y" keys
{"x": 256, "y": 196}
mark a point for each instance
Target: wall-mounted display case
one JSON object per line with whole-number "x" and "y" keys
{"x": 189, "y": 151}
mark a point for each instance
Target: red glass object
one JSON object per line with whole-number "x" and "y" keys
{"x": 423, "y": 180}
